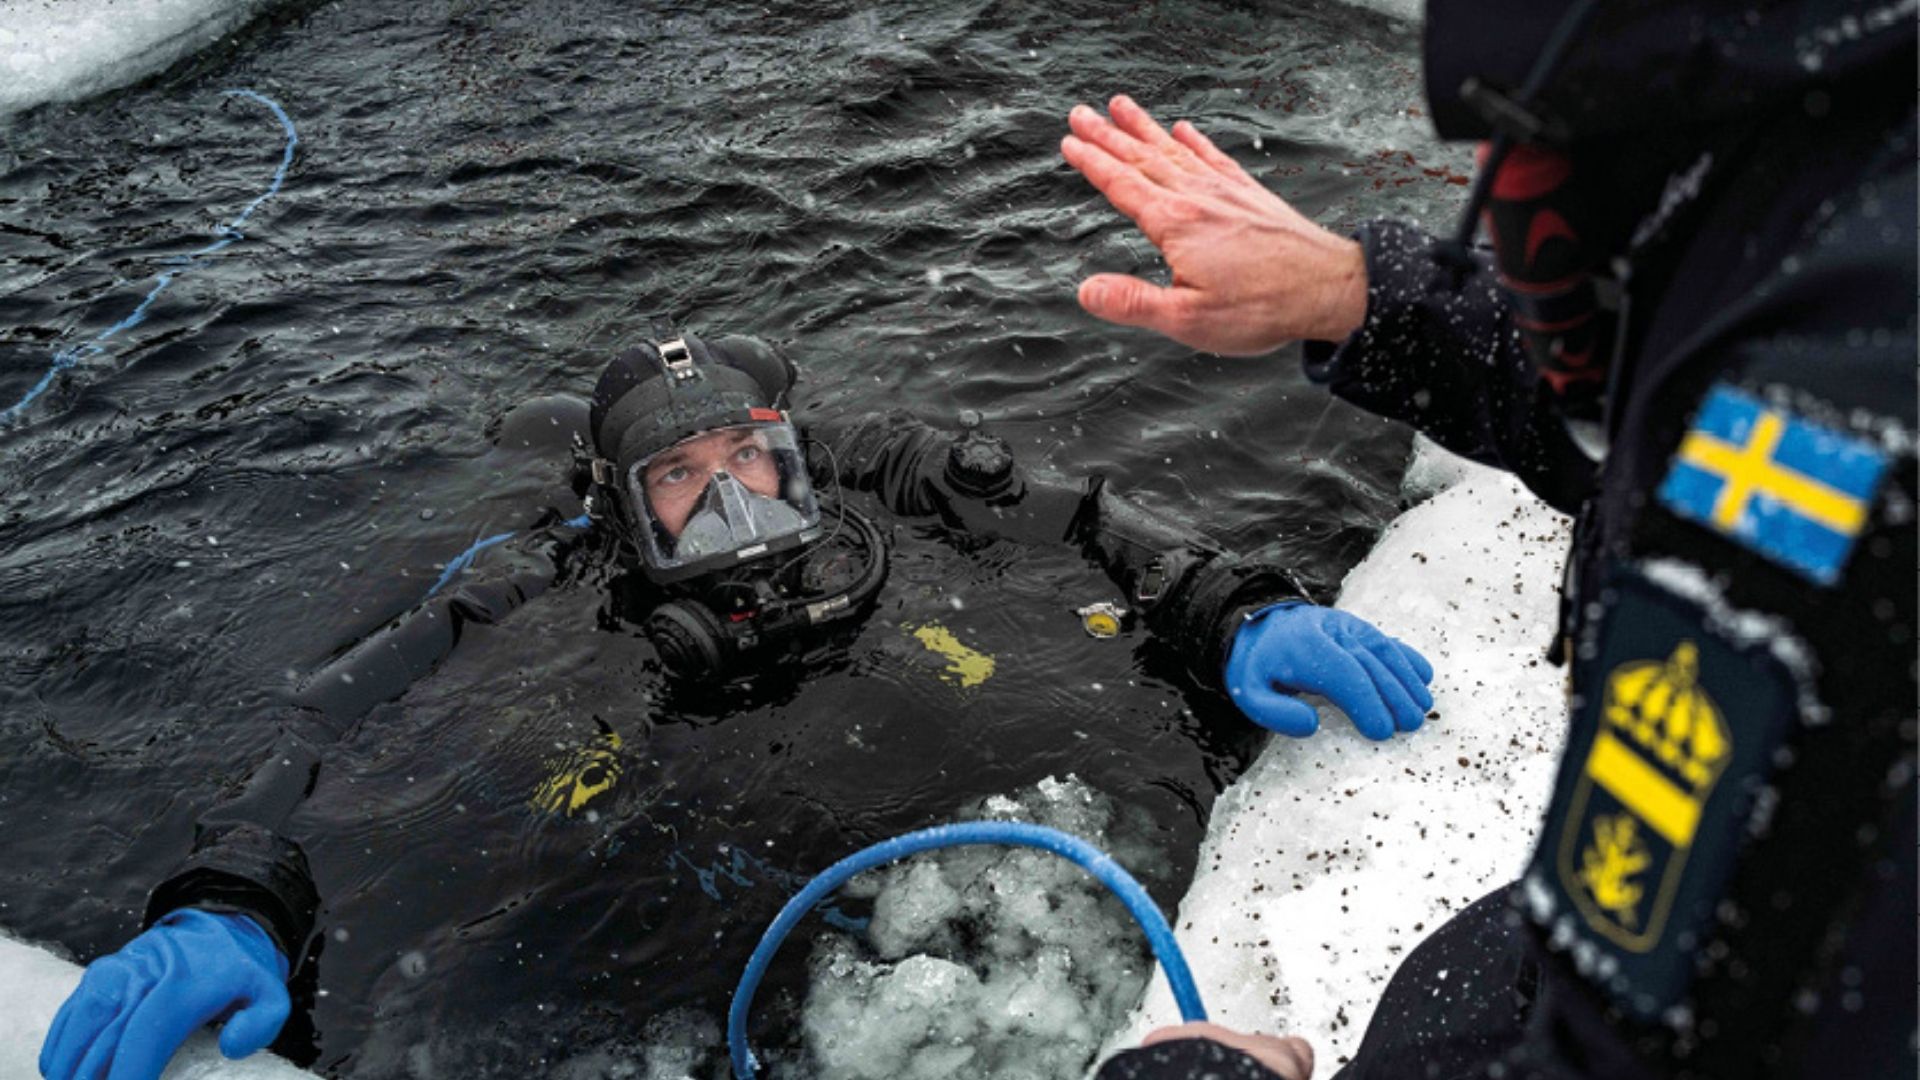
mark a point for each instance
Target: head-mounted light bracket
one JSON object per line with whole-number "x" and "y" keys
{"x": 677, "y": 361}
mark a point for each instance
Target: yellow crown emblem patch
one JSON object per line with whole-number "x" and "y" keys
{"x": 1661, "y": 748}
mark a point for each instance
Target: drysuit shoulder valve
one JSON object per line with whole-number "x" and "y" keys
{"x": 980, "y": 465}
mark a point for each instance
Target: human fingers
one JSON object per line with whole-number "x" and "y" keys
{"x": 1129, "y": 301}
{"x": 258, "y": 1021}
{"x": 1123, "y": 185}
{"x": 1190, "y": 137}
{"x": 1289, "y": 1056}
{"x": 1406, "y": 712}
{"x": 92, "y": 1005}
{"x": 105, "y": 1049}
{"x": 1137, "y": 122}
{"x": 1276, "y": 711}
{"x": 1155, "y": 165}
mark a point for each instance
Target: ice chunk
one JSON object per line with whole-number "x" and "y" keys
{"x": 986, "y": 962}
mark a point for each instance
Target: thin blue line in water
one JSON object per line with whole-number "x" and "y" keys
{"x": 465, "y": 559}
{"x": 229, "y": 232}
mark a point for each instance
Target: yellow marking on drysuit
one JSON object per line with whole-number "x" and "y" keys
{"x": 965, "y": 666}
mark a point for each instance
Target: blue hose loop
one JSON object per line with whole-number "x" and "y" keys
{"x": 228, "y": 233}
{"x": 1012, "y": 833}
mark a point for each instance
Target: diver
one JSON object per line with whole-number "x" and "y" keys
{"x": 1694, "y": 332}
{"x": 749, "y": 553}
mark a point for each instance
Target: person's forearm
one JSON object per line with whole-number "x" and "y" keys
{"x": 242, "y": 858}
{"x": 1190, "y": 592}
{"x": 1421, "y": 342}
{"x": 383, "y": 665}
{"x": 1187, "y": 588}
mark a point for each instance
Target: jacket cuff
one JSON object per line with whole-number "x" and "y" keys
{"x": 1402, "y": 277}
{"x": 1183, "y": 1059}
{"x": 249, "y": 871}
{"x": 1224, "y": 593}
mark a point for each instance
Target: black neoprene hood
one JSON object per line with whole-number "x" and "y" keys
{"x": 638, "y": 409}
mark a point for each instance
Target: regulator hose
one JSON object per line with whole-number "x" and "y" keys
{"x": 1011, "y": 833}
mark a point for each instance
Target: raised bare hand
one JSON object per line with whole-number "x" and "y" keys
{"x": 1250, "y": 272}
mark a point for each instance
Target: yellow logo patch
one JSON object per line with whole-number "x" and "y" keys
{"x": 579, "y": 776}
{"x": 1661, "y": 748}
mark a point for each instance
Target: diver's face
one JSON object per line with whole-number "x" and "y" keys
{"x": 676, "y": 477}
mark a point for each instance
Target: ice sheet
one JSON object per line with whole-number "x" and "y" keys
{"x": 1332, "y": 857}
{"x": 65, "y": 50}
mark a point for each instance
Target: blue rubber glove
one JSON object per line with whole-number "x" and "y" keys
{"x": 1295, "y": 647}
{"x": 133, "y": 1009}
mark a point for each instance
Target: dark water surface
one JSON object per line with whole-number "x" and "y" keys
{"x": 485, "y": 200}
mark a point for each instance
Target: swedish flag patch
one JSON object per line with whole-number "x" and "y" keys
{"x": 1796, "y": 492}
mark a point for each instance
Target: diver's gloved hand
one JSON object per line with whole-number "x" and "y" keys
{"x": 133, "y": 1009}
{"x": 1295, "y": 647}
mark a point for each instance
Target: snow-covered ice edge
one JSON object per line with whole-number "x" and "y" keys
{"x": 67, "y": 50}
{"x": 1332, "y": 857}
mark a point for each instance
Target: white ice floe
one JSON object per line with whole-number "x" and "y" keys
{"x": 65, "y": 50}
{"x": 1332, "y": 857}
{"x": 33, "y": 983}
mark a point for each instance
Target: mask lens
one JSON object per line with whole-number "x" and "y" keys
{"x": 722, "y": 496}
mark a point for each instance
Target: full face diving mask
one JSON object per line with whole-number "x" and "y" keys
{"x": 722, "y": 497}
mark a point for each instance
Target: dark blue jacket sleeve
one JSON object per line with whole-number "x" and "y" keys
{"x": 1183, "y": 1059}
{"x": 1438, "y": 351}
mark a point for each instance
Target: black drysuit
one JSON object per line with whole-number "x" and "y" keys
{"x": 1724, "y": 885}
{"x": 1186, "y": 590}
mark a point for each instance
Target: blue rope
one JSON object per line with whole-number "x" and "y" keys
{"x": 228, "y": 233}
{"x": 1015, "y": 833}
{"x": 465, "y": 559}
